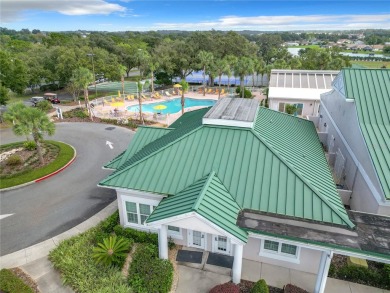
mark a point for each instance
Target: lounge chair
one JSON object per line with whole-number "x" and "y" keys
{"x": 216, "y": 92}
{"x": 168, "y": 94}
{"x": 156, "y": 95}
{"x": 209, "y": 91}
{"x": 222, "y": 92}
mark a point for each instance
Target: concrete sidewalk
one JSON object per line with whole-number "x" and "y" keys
{"x": 33, "y": 260}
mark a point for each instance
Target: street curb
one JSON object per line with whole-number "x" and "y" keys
{"x": 46, "y": 176}
{"x": 42, "y": 249}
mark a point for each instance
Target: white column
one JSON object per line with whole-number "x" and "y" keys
{"x": 323, "y": 270}
{"x": 163, "y": 242}
{"x": 237, "y": 263}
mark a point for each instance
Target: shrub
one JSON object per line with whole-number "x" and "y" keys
{"x": 247, "y": 93}
{"x": 226, "y": 288}
{"x": 30, "y": 145}
{"x": 76, "y": 113}
{"x": 291, "y": 109}
{"x": 13, "y": 160}
{"x": 109, "y": 224}
{"x": 260, "y": 287}
{"x": 137, "y": 236}
{"x": 73, "y": 258}
{"x": 44, "y": 106}
{"x": 11, "y": 283}
{"x": 148, "y": 273}
{"x": 112, "y": 251}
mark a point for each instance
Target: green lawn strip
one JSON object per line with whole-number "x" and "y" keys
{"x": 12, "y": 284}
{"x": 304, "y": 46}
{"x": 65, "y": 154}
{"x": 73, "y": 259}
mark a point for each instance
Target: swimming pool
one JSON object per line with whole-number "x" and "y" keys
{"x": 173, "y": 106}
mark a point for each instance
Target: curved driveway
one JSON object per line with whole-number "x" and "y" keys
{"x": 52, "y": 206}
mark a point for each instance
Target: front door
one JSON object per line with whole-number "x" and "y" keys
{"x": 196, "y": 239}
{"x": 221, "y": 244}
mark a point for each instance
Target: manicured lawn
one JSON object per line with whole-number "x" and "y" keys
{"x": 11, "y": 283}
{"x": 305, "y": 46}
{"x": 65, "y": 154}
{"x": 372, "y": 64}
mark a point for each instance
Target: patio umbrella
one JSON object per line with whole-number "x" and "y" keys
{"x": 177, "y": 85}
{"x": 160, "y": 107}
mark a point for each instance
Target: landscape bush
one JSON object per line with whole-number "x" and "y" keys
{"x": 76, "y": 113}
{"x": 137, "y": 236}
{"x": 226, "y": 288}
{"x": 44, "y": 106}
{"x": 13, "y": 160}
{"x": 30, "y": 145}
{"x": 260, "y": 287}
{"x": 10, "y": 283}
{"x": 247, "y": 93}
{"x": 73, "y": 258}
{"x": 112, "y": 251}
{"x": 148, "y": 273}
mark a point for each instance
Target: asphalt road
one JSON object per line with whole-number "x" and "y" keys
{"x": 46, "y": 209}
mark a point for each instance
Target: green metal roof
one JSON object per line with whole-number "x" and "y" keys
{"x": 142, "y": 137}
{"x": 262, "y": 169}
{"x": 207, "y": 197}
{"x": 371, "y": 90}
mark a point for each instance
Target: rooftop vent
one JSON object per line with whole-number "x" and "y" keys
{"x": 232, "y": 112}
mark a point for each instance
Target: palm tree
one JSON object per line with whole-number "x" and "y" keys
{"x": 221, "y": 67}
{"x": 206, "y": 58}
{"x": 243, "y": 67}
{"x": 259, "y": 66}
{"x": 231, "y": 61}
{"x": 184, "y": 88}
{"x": 140, "y": 88}
{"x": 84, "y": 78}
{"x": 28, "y": 120}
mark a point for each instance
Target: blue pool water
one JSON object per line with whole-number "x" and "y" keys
{"x": 173, "y": 106}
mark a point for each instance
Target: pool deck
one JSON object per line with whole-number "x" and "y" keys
{"x": 107, "y": 111}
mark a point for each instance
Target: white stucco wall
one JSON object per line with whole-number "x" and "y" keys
{"x": 310, "y": 107}
{"x": 309, "y": 260}
{"x": 334, "y": 107}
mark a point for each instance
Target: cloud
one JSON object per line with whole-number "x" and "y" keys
{"x": 286, "y": 22}
{"x": 12, "y": 10}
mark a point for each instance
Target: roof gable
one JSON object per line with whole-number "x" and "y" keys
{"x": 258, "y": 174}
{"x": 370, "y": 88}
{"x": 207, "y": 197}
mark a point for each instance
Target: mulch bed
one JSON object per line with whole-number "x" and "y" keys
{"x": 26, "y": 279}
{"x": 29, "y": 160}
{"x": 246, "y": 286}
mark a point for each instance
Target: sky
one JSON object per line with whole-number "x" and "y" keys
{"x": 146, "y": 15}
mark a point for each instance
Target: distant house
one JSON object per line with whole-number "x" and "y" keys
{"x": 377, "y": 47}
{"x": 354, "y": 126}
{"x": 301, "y": 88}
{"x": 367, "y": 48}
{"x": 244, "y": 184}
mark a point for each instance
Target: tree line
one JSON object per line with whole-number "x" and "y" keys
{"x": 29, "y": 59}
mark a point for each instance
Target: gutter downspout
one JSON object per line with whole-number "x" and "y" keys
{"x": 323, "y": 270}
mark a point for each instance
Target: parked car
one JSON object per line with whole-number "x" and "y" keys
{"x": 36, "y": 100}
{"x": 51, "y": 98}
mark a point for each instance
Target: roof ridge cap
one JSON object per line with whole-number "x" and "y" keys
{"x": 116, "y": 173}
{"x": 203, "y": 191}
{"x": 300, "y": 176}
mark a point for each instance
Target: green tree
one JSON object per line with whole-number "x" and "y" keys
{"x": 243, "y": 67}
{"x": 221, "y": 67}
{"x": 83, "y": 77}
{"x": 205, "y": 59}
{"x": 184, "y": 88}
{"x": 13, "y": 72}
{"x": 29, "y": 120}
{"x": 231, "y": 61}
{"x": 4, "y": 95}
{"x": 290, "y": 109}
{"x": 386, "y": 49}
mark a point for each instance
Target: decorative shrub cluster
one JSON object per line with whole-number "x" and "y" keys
{"x": 76, "y": 113}
{"x": 13, "y": 160}
{"x": 11, "y": 283}
{"x": 112, "y": 251}
{"x": 260, "y": 287}
{"x": 30, "y": 145}
{"x": 137, "y": 236}
{"x": 377, "y": 276}
{"x": 44, "y": 106}
{"x": 148, "y": 273}
{"x": 226, "y": 288}
{"x": 247, "y": 93}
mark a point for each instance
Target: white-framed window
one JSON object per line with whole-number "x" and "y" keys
{"x": 175, "y": 232}
{"x": 137, "y": 213}
{"x": 279, "y": 250}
